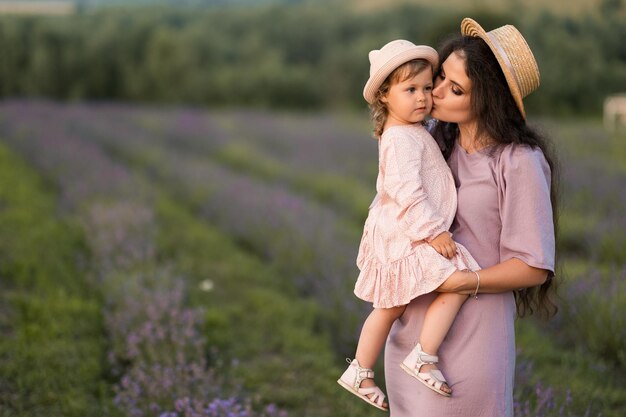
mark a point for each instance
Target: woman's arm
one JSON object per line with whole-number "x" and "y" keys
{"x": 527, "y": 233}
{"x": 512, "y": 274}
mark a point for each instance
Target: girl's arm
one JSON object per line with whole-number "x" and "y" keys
{"x": 401, "y": 159}
{"x": 512, "y": 274}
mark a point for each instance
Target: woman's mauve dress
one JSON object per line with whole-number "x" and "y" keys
{"x": 504, "y": 212}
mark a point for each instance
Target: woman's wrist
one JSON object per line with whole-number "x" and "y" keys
{"x": 469, "y": 283}
{"x": 475, "y": 295}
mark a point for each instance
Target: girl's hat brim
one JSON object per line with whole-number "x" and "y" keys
{"x": 394, "y": 54}
{"x": 514, "y": 56}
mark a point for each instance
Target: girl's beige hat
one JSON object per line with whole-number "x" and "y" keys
{"x": 514, "y": 56}
{"x": 390, "y": 57}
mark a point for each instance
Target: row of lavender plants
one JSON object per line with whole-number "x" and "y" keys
{"x": 310, "y": 243}
{"x": 268, "y": 215}
{"x": 324, "y": 158}
{"x": 157, "y": 349}
{"x": 320, "y": 143}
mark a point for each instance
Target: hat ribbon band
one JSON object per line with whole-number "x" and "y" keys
{"x": 504, "y": 56}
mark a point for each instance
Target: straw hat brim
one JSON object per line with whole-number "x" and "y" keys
{"x": 377, "y": 79}
{"x": 469, "y": 27}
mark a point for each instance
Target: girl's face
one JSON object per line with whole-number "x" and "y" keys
{"x": 451, "y": 95}
{"x": 410, "y": 101}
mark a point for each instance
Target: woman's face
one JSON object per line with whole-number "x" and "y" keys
{"x": 451, "y": 95}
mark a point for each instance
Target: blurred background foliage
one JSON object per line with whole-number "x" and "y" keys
{"x": 298, "y": 54}
{"x": 188, "y": 180}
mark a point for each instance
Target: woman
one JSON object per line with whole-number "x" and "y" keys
{"x": 504, "y": 178}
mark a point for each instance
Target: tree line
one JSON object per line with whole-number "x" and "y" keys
{"x": 297, "y": 56}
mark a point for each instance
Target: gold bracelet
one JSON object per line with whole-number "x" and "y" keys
{"x": 475, "y": 295}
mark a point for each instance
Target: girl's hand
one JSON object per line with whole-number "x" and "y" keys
{"x": 444, "y": 245}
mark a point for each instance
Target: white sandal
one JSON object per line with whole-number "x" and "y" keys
{"x": 351, "y": 380}
{"x": 433, "y": 379}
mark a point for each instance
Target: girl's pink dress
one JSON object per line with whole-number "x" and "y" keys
{"x": 415, "y": 202}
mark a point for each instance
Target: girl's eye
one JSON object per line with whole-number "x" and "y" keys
{"x": 429, "y": 88}
{"x": 411, "y": 89}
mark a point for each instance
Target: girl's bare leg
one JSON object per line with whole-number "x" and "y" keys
{"x": 373, "y": 336}
{"x": 437, "y": 322}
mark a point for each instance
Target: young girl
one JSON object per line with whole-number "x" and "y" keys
{"x": 406, "y": 249}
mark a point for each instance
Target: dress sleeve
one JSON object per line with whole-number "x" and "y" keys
{"x": 525, "y": 208}
{"x": 402, "y": 159}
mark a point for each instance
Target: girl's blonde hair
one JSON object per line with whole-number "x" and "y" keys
{"x": 378, "y": 109}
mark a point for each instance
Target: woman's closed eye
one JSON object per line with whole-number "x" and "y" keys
{"x": 454, "y": 88}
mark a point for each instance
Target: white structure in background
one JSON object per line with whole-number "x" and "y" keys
{"x": 23, "y": 7}
{"x": 615, "y": 112}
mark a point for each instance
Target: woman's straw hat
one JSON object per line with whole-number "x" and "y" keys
{"x": 390, "y": 57}
{"x": 514, "y": 55}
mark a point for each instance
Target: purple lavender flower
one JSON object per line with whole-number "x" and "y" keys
{"x": 157, "y": 348}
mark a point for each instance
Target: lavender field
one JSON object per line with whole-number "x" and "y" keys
{"x": 178, "y": 261}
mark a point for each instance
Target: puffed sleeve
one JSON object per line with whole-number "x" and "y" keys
{"x": 525, "y": 208}
{"x": 403, "y": 183}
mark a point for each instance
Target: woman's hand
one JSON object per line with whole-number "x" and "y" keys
{"x": 444, "y": 245}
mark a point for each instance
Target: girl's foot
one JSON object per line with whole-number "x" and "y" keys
{"x": 431, "y": 367}
{"x": 360, "y": 382}
{"x": 421, "y": 366}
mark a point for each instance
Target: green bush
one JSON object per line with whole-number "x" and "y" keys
{"x": 290, "y": 56}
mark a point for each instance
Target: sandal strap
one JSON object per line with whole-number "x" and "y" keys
{"x": 374, "y": 394}
{"x": 434, "y": 378}
{"x": 365, "y": 373}
{"x": 424, "y": 358}
{"x": 361, "y": 373}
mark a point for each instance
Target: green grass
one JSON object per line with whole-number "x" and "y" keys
{"x": 52, "y": 347}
